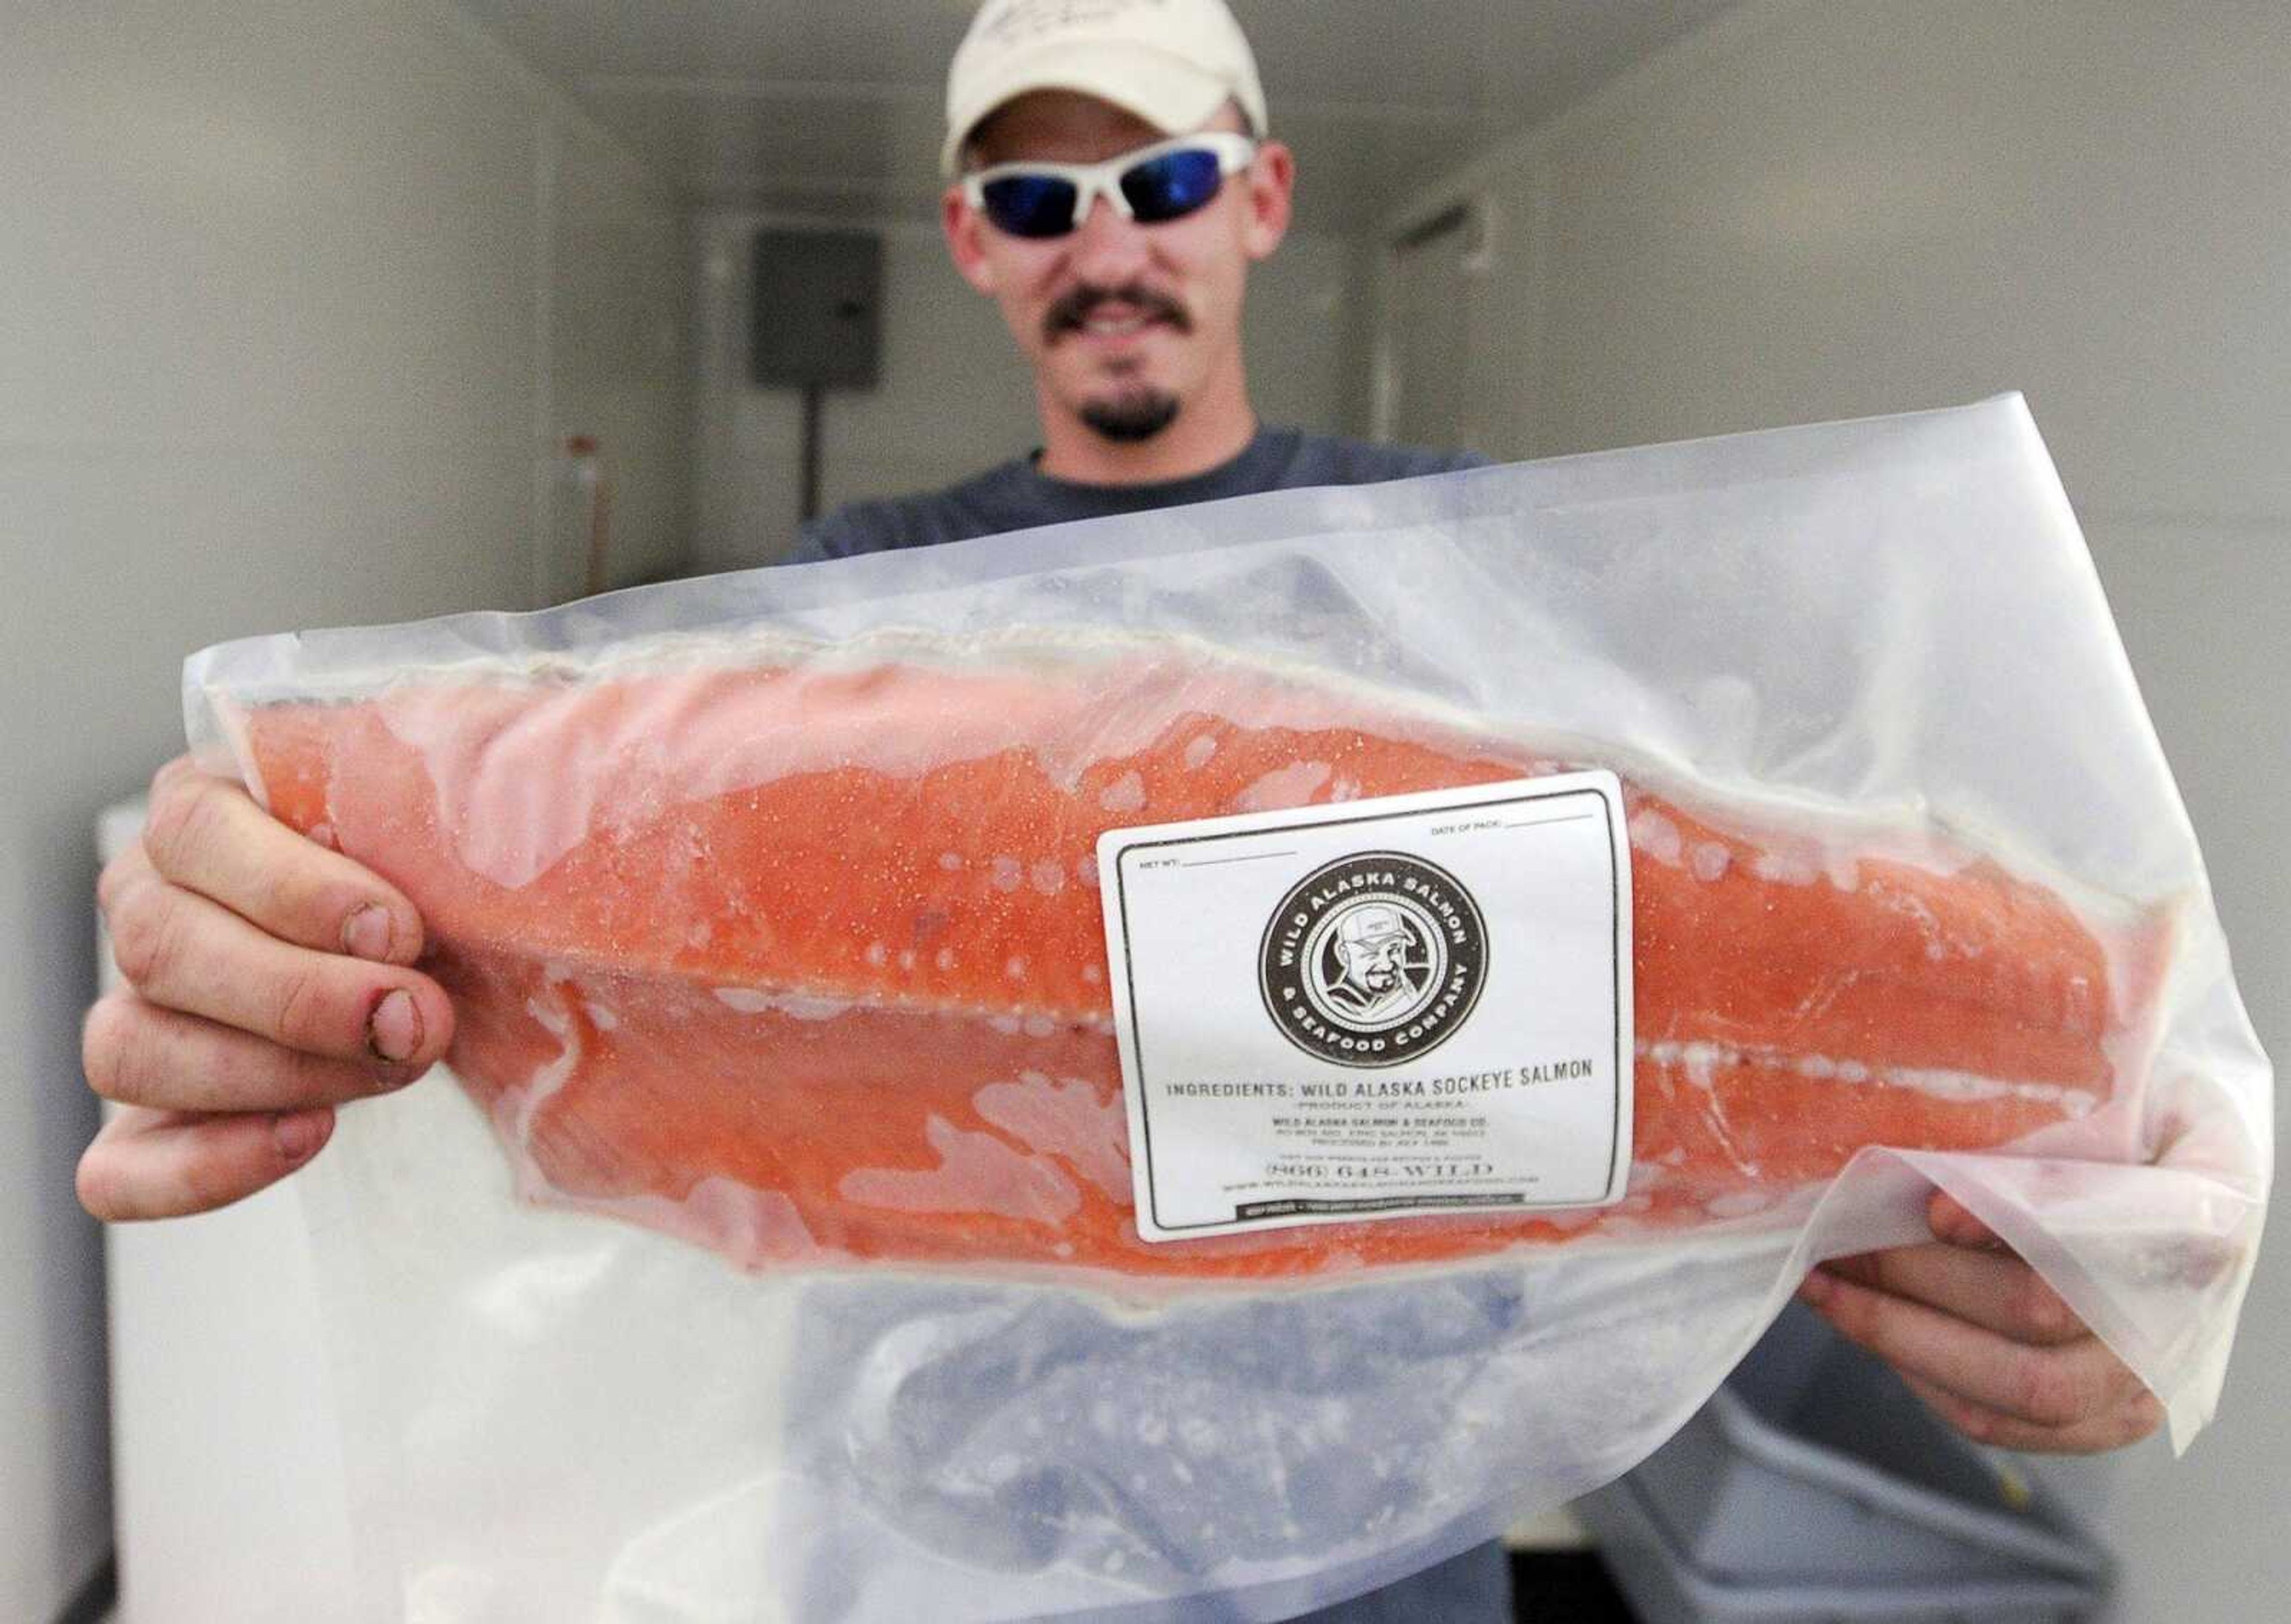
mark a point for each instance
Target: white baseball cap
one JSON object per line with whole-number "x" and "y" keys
{"x": 1370, "y": 923}
{"x": 1171, "y": 62}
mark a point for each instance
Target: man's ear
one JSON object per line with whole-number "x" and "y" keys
{"x": 959, "y": 221}
{"x": 1271, "y": 177}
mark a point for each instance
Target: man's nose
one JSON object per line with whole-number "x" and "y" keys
{"x": 1109, "y": 248}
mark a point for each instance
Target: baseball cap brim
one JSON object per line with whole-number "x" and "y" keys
{"x": 1171, "y": 95}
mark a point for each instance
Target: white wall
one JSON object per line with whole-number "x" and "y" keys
{"x": 1825, "y": 209}
{"x": 617, "y": 366}
{"x": 277, "y": 286}
{"x": 954, "y": 396}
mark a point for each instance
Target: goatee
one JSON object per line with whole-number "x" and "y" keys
{"x": 1132, "y": 416}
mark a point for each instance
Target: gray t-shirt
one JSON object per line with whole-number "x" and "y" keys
{"x": 1017, "y": 496}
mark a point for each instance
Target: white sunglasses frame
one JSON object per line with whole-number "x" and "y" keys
{"x": 1235, "y": 152}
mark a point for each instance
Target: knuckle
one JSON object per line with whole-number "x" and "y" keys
{"x": 302, "y": 1008}
{"x": 103, "y": 1045}
{"x": 146, "y": 934}
{"x": 105, "y": 1180}
{"x": 172, "y": 769}
{"x": 96, "y": 1185}
{"x": 2050, "y": 1391}
{"x": 300, "y": 894}
{"x": 183, "y": 820}
{"x": 284, "y": 895}
{"x": 173, "y": 820}
{"x": 111, "y": 883}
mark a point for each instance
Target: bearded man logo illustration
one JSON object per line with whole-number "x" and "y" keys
{"x": 1381, "y": 966}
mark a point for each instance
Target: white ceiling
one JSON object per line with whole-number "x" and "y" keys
{"x": 833, "y": 107}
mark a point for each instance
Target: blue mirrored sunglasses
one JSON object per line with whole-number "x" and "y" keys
{"x": 1163, "y": 181}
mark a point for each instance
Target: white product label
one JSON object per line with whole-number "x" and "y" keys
{"x": 1376, "y": 1008}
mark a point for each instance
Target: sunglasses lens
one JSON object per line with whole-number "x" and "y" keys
{"x": 1030, "y": 205}
{"x": 1173, "y": 184}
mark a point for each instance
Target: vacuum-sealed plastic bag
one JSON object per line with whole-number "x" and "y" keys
{"x": 1196, "y": 1063}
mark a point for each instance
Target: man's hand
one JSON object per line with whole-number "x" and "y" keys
{"x": 1983, "y": 1340}
{"x": 267, "y": 985}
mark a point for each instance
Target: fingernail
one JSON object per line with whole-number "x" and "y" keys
{"x": 394, "y": 1029}
{"x": 1817, "y": 1288}
{"x": 366, "y": 932}
{"x": 299, "y": 1137}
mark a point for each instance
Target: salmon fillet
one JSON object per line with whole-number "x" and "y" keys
{"x": 806, "y": 961}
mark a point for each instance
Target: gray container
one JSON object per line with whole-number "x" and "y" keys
{"x": 1815, "y": 1486}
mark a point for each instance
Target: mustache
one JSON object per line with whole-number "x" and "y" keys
{"x": 1075, "y": 305}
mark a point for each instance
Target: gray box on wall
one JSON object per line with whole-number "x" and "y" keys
{"x": 818, "y": 308}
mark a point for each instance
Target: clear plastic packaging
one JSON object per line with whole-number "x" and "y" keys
{"x": 837, "y": 1365}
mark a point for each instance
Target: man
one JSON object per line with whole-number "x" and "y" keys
{"x": 1116, "y": 181}
{"x": 1133, "y": 328}
{"x": 1372, "y": 952}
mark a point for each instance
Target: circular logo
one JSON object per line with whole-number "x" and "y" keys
{"x": 1373, "y": 960}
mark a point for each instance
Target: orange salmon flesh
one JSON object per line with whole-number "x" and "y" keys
{"x": 807, "y": 963}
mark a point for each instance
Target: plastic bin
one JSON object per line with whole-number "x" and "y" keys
{"x": 1815, "y": 1486}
